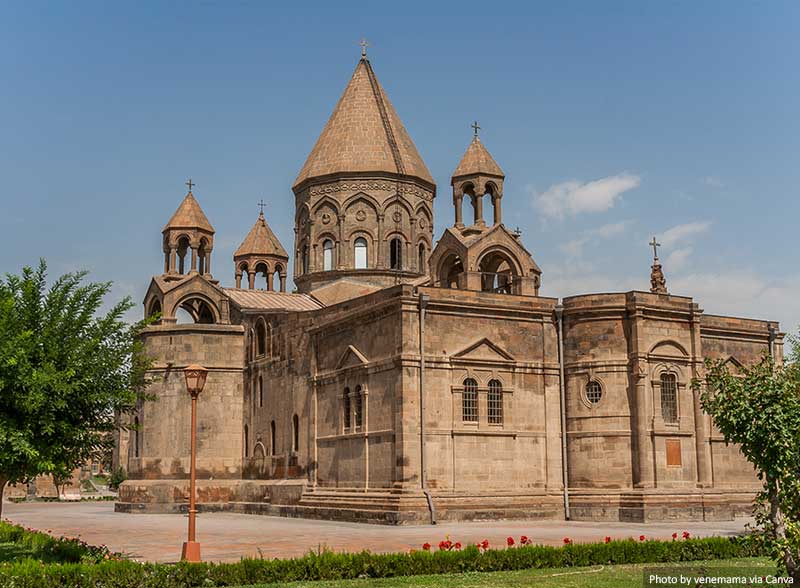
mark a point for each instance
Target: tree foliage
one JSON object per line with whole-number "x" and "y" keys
{"x": 758, "y": 409}
{"x": 66, "y": 372}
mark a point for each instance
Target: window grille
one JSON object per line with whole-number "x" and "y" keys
{"x": 495, "y": 403}
{"x": 469, "y": 401}
{"x": 594, "y": 391}
{"x": 669, "y": 398}
{"x": 346, "y": 409}
{"x": 359, "y": 408}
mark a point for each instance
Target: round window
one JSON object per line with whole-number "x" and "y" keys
{"x": 594, "y": 391}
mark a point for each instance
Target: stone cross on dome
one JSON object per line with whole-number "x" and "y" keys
{"x": 655, "y": 245}
{"x": 475, "y": 127}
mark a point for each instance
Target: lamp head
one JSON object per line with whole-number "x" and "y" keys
{"x": 195, "y": 379}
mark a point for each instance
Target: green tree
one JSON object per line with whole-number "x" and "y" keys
{"x": 66, "y": 370}
{"x": 759, "y": 409}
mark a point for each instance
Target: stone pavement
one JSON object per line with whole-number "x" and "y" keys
{"x": 228, "y": 537}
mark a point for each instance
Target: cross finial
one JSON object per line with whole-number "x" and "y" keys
{"x": 364, "y": 46}
{"x": 475, "y": 127}
{"x": 655, "y": 245}
{"x": 262, "y": 204}
{"x": 190, "y": 183}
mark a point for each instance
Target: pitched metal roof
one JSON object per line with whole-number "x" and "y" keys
{"x": 266, "y": 300}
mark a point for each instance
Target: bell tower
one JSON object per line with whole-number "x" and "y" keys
{"x": 364, "y": 197}
{"x": 188, "y": 239}
{"x": 476, "y": 176}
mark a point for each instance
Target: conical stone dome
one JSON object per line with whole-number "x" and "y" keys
{"x": 363, "y": 134}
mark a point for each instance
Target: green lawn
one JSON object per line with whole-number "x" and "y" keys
{"x": 10, "y": 551}
{"x": 622, "y": 576}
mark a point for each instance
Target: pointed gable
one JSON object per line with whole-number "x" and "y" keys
{"x": 189, "y": 216}
{"x": 352, "y": 357}
{"x": 364, "y": 134}
{"x": 483, "y": 350}
{"x": 477, "y": 160}
{"x": 261, "y": 241}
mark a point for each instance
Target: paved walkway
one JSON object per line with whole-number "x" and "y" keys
{"x": 228, "y": 537}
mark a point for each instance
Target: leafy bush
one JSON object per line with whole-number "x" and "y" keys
{"x": 335, "y": 566}
{"x": 53, "y": 549}
{"x": 118, "y": 476}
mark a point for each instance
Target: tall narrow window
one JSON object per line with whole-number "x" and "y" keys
{"x": 260, "y": 392}
{"x": 359, "y": 408}
{"x": 495, "y": 403}
{"x": 346, "y": 409}
{"x": 327, "y": 255}
{"x": 360, "y": 253}
{"x": 272, "y": 438}
{"x": 295, "y": 433}
{"x": 246, "y": 443}
{"x": 136, "y": 437}
{"x": 261, "y": 338}
{"x": 304, "y": 253}
{"x": 669, "y": 398}
{"x": 396, "y": 253}
{"x": 469, "y": 401}
{"x": 421, "y": 258}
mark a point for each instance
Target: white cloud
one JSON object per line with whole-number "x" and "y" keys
{"x": 677, "y": 258}
{"x": 575, "y": 197}
{"x": 713, "y": 181}
{"x": 574, "y": 248}
{"x": 684, "y": 232}
{"x": 743, "y": 293}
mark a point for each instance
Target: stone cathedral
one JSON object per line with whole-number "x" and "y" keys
{"x": 414, "y": 377}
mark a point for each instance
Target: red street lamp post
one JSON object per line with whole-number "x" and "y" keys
{"x": 195, "y": 380}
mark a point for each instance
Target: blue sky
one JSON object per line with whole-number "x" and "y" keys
{"x": 612, "y": 121}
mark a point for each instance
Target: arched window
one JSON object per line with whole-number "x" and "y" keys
{"x": 184, "y": 255}
{"x": 246, "y": 442}
{"x": 594, "y": 391}
{"x": 359, "y": 408}
{"x": 360, "y": 253}
{"x": 469, "y": 401}
{"x": 136, "y": 448}
{"x": 669, "y": 398}
{"x": 295, "y": 434}
{"x": 261, "y": 338}
{"x": 155, "y": 308}
{"x": 272, "y": 438}
{"x": 202, "y": 253}
{"x": 346, "y": 409}
{"x": 396, "y": 253}
{"x": 260, "y": 392}
{"x": 495, "y": 403}
{"x": 421, "y": 258}
{"x": 327, "y": 255}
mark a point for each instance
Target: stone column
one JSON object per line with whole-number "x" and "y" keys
{"x": 477, "y": 204}
{"x": 251, "y": 279}
{"x": 269, "y": 277}
{"x": 283, "y": 282}
{"x": 702, "y": 436}
{"x": 194, "y": 259}
{"x": 498, "y": 214}
{"x": 644, "y": 474}
{"x": 166, "y": 262}
{"x": 208, "y": 262}
{"x": 238, "y": 279}
{"x": 340, "y": 243}
{"x": 173, "y": 258}
{"x": 458, "y": 202}
{"x": 379, "y": 263}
